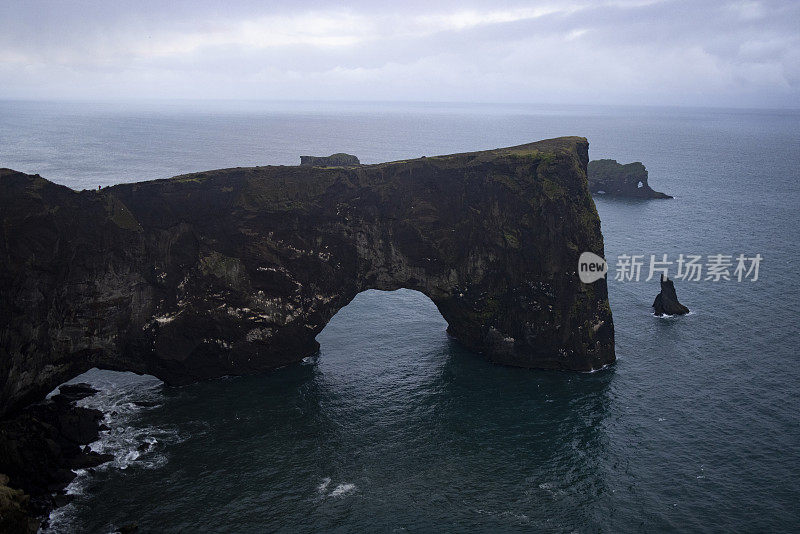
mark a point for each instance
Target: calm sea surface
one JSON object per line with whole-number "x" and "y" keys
{"x": 394, "y": 427}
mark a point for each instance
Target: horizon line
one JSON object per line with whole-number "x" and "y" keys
{"x": 167, "y": 100}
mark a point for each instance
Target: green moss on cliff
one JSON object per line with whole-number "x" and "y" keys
{"x": 552, "y": 189}
{"x": 511, "y": 240}
{"x": 507, "y": 181}
{"x": 489, "y": 309}
{"x": 188, "y": 178}
{"x": 121, "y": 215}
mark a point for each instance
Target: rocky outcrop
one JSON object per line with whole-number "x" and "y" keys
{"x": 236, "y": 271}
{"x": 334, "y": 160}
{"x": 606, "y": 176}
{"x": 39, "y": 448}
{"x": 666, "y": 302}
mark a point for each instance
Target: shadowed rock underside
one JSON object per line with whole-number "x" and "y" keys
{"x": 236, "y": 271}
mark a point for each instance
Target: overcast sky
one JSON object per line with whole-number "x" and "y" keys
{"x": 739, "y": 53}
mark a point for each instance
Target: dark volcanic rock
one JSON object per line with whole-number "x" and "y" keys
{"x": 236, "y": 271}
{"x": 39, "y": 448}
{"x": 666, "y": 302}
{"x": 42, "y": 443}
{"x": 334, "y": 160}
{"x": 612, "y": 178}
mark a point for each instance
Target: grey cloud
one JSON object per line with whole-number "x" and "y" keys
{"x": 739, "y": 53}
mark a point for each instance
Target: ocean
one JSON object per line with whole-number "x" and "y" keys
{"x": 394, "y": 427}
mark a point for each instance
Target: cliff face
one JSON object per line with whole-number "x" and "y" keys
{"x": 612, "y": 178}
{"x": 236, "y": 271}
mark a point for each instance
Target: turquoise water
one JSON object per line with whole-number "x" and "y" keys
{"x": 394, "y": 427}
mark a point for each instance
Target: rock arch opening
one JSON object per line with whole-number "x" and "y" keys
{"x": 384, "y": 343}
{"x": 376, "y": 320}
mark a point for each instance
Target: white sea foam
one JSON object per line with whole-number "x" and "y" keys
{"x": 342, "y": 489}
{"x": 121, "y": 397}
{"x": 62, "y": 519}
{"x": 601, "y": 368}
{"x": 522, "y": 518}
{"x": 668, "y": 317}
{"x": 552, "y": 489}
{"x": 507, "y": 514}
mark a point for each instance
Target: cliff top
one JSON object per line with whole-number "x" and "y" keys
{"x": 540, "y": 149}
{"x": 545, "y": 149}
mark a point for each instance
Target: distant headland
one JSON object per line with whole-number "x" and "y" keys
{"x": 606, "y": 176}
{"x": 334, "y": 160}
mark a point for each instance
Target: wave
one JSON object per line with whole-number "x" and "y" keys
{"x": 340, "y": 490}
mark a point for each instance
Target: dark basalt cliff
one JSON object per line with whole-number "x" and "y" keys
{"x": 236, "y": 271}
{"x": 612, "y": 178}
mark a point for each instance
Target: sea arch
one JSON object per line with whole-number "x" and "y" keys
{"x": 236, "y": 271}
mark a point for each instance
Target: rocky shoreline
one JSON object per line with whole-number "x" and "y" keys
{"x": 40, "y": 446}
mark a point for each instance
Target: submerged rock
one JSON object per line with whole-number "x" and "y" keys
{"x": 666, "y": 302}
{"x": 334, "y": 160}
{"x": 630, "y": 180}
{"x": 236, "y": 271}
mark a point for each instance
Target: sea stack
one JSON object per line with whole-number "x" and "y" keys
{"x": 666, "y": 302}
